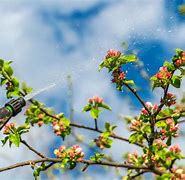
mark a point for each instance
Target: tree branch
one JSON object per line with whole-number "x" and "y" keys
{"x": 88, "y": 162}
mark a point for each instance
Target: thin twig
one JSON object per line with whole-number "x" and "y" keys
{"x": 164, "y": 96}
{"x": 86, "y": 127}
{"x": 134, "y": 176}
{"x": 32, "y": 149}
{"x": 138, "y": 97}
{"x": 96, "y": 124}
{"x": 49, "y": 165}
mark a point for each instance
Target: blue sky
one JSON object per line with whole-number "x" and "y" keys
{"x": 48, "y": 40}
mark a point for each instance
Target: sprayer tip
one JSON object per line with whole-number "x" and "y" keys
{"x": 22, "y": 101}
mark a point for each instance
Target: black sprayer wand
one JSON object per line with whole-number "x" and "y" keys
{"x": 12, "y": 108}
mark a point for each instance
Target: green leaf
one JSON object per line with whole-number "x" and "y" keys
{"x": 178, "y": 51}
{"x": 66, "y": 121}
{"x": 27, "y": 89}
{"x": 133, "y": 138}
{"x": 7, "y": 68}
{"x": 169, "y": 66}
{"x": 15, "y": 82}
{"x": 36, "y": 173}
{"x": 129, "y": 82}
{"x": 87, "y": 108}
{"x": 107, "y": 126}
{"x": 101, "y": 66}
{"x": 15, "y": 139}
{"x": 161, "y": 124}
{"x": 97, "y": 157}
{"x": 23, "y": 129}
{"x": 181, "y": 9}
{"x": 128, "y": 58}
{"x": 3, "y": 81}
{"x": 164, "y": 177}
{"x": 103, "y": 105}
{"x": 1, "y": 63}
{"x": 72, "y": 165}
{"x": 109, "y": 143}
{"x": 94, "y": 112}
{"x": 182, "y": 71}
{"x": 153, "y": 78}
{"x": 147, "y": 129}
{"x": 176, "y": 81}
{"x": 113, "y": 127}
{"x": 105, "y": 134}
{"x": 11, "y": 94}
{"x": 5, "y": 140}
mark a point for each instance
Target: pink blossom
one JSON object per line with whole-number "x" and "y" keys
{"x": 56, "y": 127}
{"x": 160, "y": 143}
{"x": 40, "y": 116}
{"x": 135, "y": 124}
{"x": 174, "y": 128}
{"x": 62, "y": 148}
{"x": 169, "y": 121}
{"x": 163, "y": 73}
{"x": 118, "y": 76}
{"x": 8, "y": 127}
{"x": 144, "y": 111}
{"x": 175, "y": 149}
{"x": 169, "y": 100}
{"x": 96, "y": 99}
{"x": 178, "y": 62}
{"x": 112, "y": 53}
{"x": 121, "y": 76}
{"x": 148, "y": 105}
{"x": 40, "y": 123}
{"x": 155, "y": 107}
{"x": 135, "y": 153}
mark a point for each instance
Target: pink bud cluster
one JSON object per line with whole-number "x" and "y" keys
{"x": 132, "y": 157}
{"x": 60, "y": 152}
{"x": 163, "y": 73}
{"x": 160, "y": 144}
{"x": 8, "y": 128}
{"x": 181, "y": 61}
{"x": 101, "y": 142}
{"x": 73, "y": 153}
{"x": 95, "y": 100}
{"x": 118, "y": 75}
{"x": 40, "y": 122}
{"x": 169, "y": 100}
{"x": 172, "y": 128}
{"x": 112, "y": 53}
{"x": 150, "y": 107}
{"x": 76, "y": 151}
{"x": 135, "y": 124}
{"x": 175, "y": 149}
{"x": 58, "y": 127}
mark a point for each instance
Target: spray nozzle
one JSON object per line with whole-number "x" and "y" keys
{"x": 16, "y": 105}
